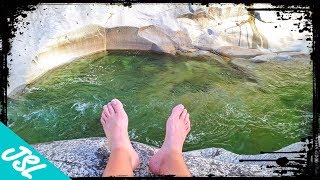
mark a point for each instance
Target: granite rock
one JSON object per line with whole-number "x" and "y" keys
{"x": 164, "y": 27}
{"x": 126, "y": 37}
{"x": 88, "y": 157}
{"x": 162, "y": 41}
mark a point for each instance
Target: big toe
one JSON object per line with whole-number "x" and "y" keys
{"x": 177, "y": 110}
{"x": 117, "y": 105}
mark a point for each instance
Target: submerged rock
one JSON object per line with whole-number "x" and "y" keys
{"x": 88, "y": 157}
{"x": 278, "y": 57}
{"x": 238, "y": 52}
{"x": 268, "y": 57}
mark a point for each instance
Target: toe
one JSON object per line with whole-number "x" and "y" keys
{"x": 177, "y": 110}
{"x": 187, "y": 126}
{"x": 187, "y": 118}
{"x": 187, "y": 123}
{"x": 117, "y": 105}
{"x": 106, "y": 111}
{"x": 104, "y": 116}
{"x": 110, "y": 108}
{"x": 103, "y": 119}
{"x": 183, "y": 114}
{"x": 187, "y": 130}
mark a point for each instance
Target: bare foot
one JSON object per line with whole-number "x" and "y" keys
{"x": 177, "y": 128}
{"x": 114, "y": 120}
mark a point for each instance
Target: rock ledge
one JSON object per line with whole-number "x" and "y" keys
{"x": 88, "y": 157}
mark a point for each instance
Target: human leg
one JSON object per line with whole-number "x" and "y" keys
{"x": 123, "y": 158}
{"x": 169, "y": 160}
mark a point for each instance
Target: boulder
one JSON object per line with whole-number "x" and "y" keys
{"x": 205, "y": 42}
{"x": 269, "y": 57}
{"x": 182, "y": 40}
{"x": 162, "y": 41}
{"x": 126, "y": 37}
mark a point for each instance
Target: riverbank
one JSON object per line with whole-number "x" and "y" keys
{"x": 53, "y": 35}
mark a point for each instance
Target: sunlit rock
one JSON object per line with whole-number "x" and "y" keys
{"x": 88, "y": 157}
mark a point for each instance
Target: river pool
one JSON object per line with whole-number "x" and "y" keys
{"x": 227, "y": 109}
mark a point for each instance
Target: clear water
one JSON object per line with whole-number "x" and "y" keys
{"x": 227, "y": 109}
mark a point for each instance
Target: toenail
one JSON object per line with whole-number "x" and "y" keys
{"x": 114, "y": 101}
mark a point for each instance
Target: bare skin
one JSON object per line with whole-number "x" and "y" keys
{"x": 124, "y": 159}
{"x": 169, "y": 160}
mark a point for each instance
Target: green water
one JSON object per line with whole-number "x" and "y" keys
{"x": 227, "y": 110}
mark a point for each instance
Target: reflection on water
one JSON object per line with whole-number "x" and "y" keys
{"x": 227, "y": 109}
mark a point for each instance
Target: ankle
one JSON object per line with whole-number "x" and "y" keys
{"x": 169, "y": 160}
{"x": 171, "y": 149}
{"x": 120, "y": 148}
{"x": 173, "y": 152}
